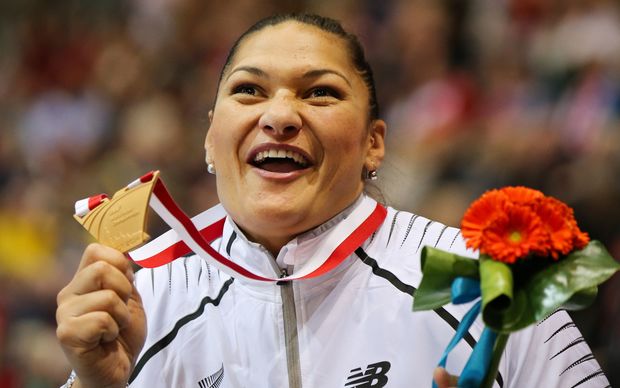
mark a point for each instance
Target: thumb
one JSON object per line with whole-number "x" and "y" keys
{"x": 443, "y": 379}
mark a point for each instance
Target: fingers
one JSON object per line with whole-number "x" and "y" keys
{"x": 93, "y": 307}
{"x": 96, "y": 252}
{"x": 88, "y": 331}
{"x": 100, "y": 268}
{"x": 443, "y": 379}
{"x": 103, "y": 300}
{"x": 101, "y": 275}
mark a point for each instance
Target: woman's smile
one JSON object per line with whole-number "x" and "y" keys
{"x": 279, "y": 162}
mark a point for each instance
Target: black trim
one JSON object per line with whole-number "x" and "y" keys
{"x": 563, "y": 327}
{"x": 390, "y": 277}
{"x": 570, "y": 345}
{"x": 168, "y": 338}
{"x": 549, "y": 316}
{"x": 428, "y": 224}
{"x": 392, "y": 228}
{"x": 186, "y": 275}
{"x": 411, "y": 221}
{"x": 232, "y": 239}
{"x": 410, "y": 290}
{"x": 454, "y": 239}
{"x": 445, "y": 227}
{"x": 583, "y": 359}
{"x": 589, "y": 377}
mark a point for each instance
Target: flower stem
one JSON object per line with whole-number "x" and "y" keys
{"x": 498, "y": 350}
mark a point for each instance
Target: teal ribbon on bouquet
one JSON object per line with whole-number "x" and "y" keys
{"x": 512, "y": 297}
{"x": 465, "y": 290}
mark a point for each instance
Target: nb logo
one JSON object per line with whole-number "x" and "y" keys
{"x": 375, "y": 375}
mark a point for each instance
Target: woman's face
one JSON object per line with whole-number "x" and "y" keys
{"x": 290, "y": 133}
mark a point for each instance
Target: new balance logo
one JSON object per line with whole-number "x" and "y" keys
{"x": 213, "y": 381}
{"x": 374, "y": 376}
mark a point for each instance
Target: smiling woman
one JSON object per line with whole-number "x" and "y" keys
{"x": 291, "y": 89}
{"x": 320, "y": 277}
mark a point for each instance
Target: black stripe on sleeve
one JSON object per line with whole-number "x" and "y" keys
{"x": 563, "y": 327}
{"x": 454, "y": 239}
{"x": 410, "y": 290}
{"x": 428, "y": 224}
{"x": 392, "y": 228}
{"x": 570, "y": 345}
{"x": 411, "y": 221}
{"x": 589, "y": 377}
{"x": 583, "y": 359}
{"x": 168, "y": 338}
{"x": 440, "y": 235}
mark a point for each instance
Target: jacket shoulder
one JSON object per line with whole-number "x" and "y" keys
{"x": 399, "y": 241}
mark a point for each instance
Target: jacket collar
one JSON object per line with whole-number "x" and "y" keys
{"x": 297, "y": 252}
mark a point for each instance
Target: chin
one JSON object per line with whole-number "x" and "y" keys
{"x": 279, "y": 214}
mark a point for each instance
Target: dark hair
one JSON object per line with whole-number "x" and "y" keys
{"x": 328, "y": 25}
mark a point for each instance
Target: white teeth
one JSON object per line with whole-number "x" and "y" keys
{"x": 272, "y": 153}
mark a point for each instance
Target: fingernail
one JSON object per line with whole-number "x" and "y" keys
{"x": 130, "y": 274}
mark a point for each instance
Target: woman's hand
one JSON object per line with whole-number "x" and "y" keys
{"x": 443, "y": 379}
{"x": 101, "y": 322}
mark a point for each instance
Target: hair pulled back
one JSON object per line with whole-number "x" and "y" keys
{"x": 356, "y": 52}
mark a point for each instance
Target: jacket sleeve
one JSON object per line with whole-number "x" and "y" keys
{"x": 552, "y": 353}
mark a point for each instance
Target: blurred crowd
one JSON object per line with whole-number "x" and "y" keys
{"x": 477, "y": 94}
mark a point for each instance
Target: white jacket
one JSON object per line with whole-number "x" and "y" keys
{"x": 352, "y": 327}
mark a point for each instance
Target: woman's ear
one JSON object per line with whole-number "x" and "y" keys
{"x": 208, "y": 141}
{"x": 376, "y": 145}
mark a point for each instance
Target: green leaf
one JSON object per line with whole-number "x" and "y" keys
{"x": 568, "y": 283}
{"x": 579, "y": 271}
{"x": 439, "y": 269}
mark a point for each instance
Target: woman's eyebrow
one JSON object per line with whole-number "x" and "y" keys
{"x": 250, "y": 69}
{"x": 319, "y": 72}
{"x": 316, "y": 73}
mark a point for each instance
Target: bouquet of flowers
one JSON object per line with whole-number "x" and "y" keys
{"x": 533, "y": 260}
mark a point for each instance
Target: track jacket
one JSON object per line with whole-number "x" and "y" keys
{"x": 352, "y": 327}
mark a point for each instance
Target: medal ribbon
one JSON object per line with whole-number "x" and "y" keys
{"x": 195, "y": 235}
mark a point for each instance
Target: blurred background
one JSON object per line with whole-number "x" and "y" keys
{"x": 477, "y": 94}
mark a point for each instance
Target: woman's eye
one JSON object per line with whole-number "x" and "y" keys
{"x": 320, "y": 92}
{"x": 245, "y": 89}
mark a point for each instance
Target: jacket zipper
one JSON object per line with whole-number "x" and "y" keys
{"x": 290, "y": 332}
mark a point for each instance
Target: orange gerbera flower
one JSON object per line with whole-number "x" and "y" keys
{"x": 522, "y": 195}
{"x": 564, "y": 234}
{"x": 480, "y": 215}
{"x": 559, "y": 229}
{"x": 516, "y": 222}
{"x": 514, "y": 235}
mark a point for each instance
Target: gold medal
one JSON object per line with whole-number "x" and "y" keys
{"x": 120, "y": 222}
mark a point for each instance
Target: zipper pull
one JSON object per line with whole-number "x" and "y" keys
{"x": 283, "y": 274}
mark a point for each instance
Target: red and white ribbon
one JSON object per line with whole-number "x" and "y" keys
{"x": 196, "y": 234}
{"x": 83, "y": 206}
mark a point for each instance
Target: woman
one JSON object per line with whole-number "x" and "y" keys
{"x": 294, "y": 133}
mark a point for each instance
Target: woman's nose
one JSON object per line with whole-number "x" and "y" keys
{"x": 281, "y": 117}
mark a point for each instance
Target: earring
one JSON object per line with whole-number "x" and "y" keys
{"x": 371, "y": 173}
{"x": 211, "y": 168}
